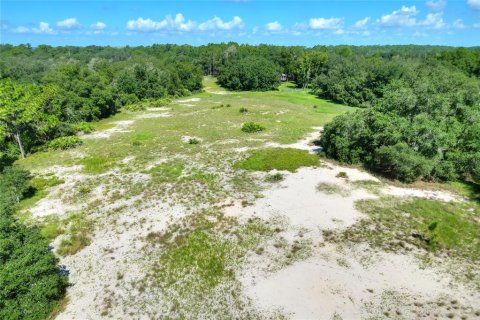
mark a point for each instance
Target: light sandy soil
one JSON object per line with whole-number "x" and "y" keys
{"x": 120, "y": 126}
{"x": 333, "y": 282}
{"x": 337, "y": 282}
{"x": 153, "y": 115}
{"x": 187, "y": 100}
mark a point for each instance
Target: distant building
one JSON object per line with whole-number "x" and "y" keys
{"x": 283, "y": 77}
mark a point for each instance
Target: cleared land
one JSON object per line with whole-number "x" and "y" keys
{"x": 173, "y": 212}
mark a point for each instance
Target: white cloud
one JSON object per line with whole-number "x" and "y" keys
{"x": 171, "y": 24}
{"x": 433, "y": 21}
{"x": 322, "y": 23}
{"x": 474, "y": 4}
{"x": 274, "y": 26}
{"x": 476, "y": 25}
{"x": 404, "y": 17}
{"x": 458, "y": 24}
{"x": 70, "y": 23}
{"x": 98, "y": 25}
{"x": 436, "y": 5}
{"x": 43, "y": 27}
{"x": 362, "y": 23}
{"x": 217, "y": 23}
{"x": 21, "y": 29}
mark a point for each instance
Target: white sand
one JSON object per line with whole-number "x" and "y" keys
{"x": 187, "y": 100}
{"x": 120, "y": 126}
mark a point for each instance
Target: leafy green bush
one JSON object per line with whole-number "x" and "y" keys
{"x": 278, "y": 158}
{"x": 64, "y": 143}
{"x": 31, "y": 282}
{"x": 243, "y": 110}
{"x": 251, "y": 127}
{"x": 85, "y": 127}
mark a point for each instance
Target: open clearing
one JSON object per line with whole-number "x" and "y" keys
{"x": 156, "y": 218}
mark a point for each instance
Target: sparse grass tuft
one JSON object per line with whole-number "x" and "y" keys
{"x": 193, "y": 141}
{"x": 342, "y": 174}
{"x": 278, "y": 158}
{"x": 78, "y": 230}
{"x": 333, "y": 188}
{"x": 277, "y": 177}
{"x": 167, "y": 172}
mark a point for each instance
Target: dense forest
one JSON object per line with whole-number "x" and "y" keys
{"x": 418, "y": 118}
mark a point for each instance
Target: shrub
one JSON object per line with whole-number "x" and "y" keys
{"x": 251, "y": 127}
{"x": 64, "y": 143}
{"x": 243, "y": 110}
{"x": 193, "y": 141}
{"x": 31, "y": 282}
{"x": 83, "y": 126}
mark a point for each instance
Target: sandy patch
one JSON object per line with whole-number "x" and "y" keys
{"x": 187, "y": 100}
{"x": 333, "y": 283}
{"x": 120, "y": 126}
{"x": 419, "y": 193}
{"x": 306, "y": 143}
{"x": 186, "y": 139}
{"x": 158, "y": 109}
{"x": 153, "y": 115}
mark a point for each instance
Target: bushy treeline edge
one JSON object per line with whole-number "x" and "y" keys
{"x": 31, "y": 281}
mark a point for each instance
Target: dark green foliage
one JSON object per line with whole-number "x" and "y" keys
{"x": 424, "y": 126}
{"x": 278, "y": 158}
{"x": 243, "y": 110}
{"x": 64, "y": 143}
{"x": 250, "y": 73}
{"x": 251, "y": 127}
{"x": 31, "y": 282}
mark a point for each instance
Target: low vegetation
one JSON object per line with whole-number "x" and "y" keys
{"x": 252, "y": 127}
{"x": 278, "y": 158}
{"x": 31, "y": 282}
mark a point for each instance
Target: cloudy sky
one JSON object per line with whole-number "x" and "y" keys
{"x": 358, "y": 22}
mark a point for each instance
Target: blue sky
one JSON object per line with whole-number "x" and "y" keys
{"x": 308, "y": 23}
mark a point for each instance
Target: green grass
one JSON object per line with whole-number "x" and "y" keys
{"x": 467, "y": 189}
{"x": 278, "y": 158}
{"x": 167, "y": 172}
{"x": 457, "y": 229}
{"x": 96, "y": 164}
{"x": 139, "y": 138}
{"x": 77, "y": 229}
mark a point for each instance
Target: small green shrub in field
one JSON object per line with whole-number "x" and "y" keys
{"x": 243, "y": 110}
{"x": 251, "y": 127}
{"x": 83, "y": 126}
{"x": 193, "y": 141}
{"x": 228, "y": 105}
{"x": 342, "y": 174}
{"x": 64, "y": 143}
{"x": 278, "y": 158}
{"x": 277, "y": 177}
{"x": 138, "y": 106}
{"x": 218, "y": 107}
{"x": 159, "y": 103}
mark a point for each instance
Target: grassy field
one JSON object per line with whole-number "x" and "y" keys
{"x": 163, "y": 175}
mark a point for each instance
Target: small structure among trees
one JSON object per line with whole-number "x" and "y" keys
{"x": 283, "y": 77}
